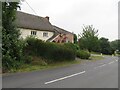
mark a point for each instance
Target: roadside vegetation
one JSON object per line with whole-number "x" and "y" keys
{"x": 19, "y": 55}
{"x": 88, "y": 40}
{"x": 48, "y": 51}
{"x": 37, "y": 66}
{"x": 11, "y": 45}
{"x": 94, "y": 58}
{"x": 83, "y": 54}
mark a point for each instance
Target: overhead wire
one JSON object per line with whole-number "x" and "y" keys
{"x": 30, "y": 7}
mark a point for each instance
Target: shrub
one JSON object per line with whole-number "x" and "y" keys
{"x": 49, "y": 50}
{"x": 83, "y": 54}
{"x": 38, "y": 61}
{"x": 13, "y": 58}
{"x": 33, "y": 46}
{"x": 71, "y": 46}
{"x": 58, "y": 52}
{"x": 28, "y": 59}
{"x": 62, "y": 53}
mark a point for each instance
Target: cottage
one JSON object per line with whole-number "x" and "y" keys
{"x": 62, "y": 36}
{"x": 41, "y": 28}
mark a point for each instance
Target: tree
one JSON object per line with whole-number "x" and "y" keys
{"x": 105, "y": 46}
{"x": 89, "y": 39}
{"x": 115, "y": 45}
{"x": 119, "y": 45}
{"x": 75, "y": 39}
{"x": 11, "y": 45}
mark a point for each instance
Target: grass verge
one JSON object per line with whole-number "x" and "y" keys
{"x": 97, "y": 53}
{"x": 38, "y": 66}
{"x": 94, "y": 58}
{"x": 30, "y": 67}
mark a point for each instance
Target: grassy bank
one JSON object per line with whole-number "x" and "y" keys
{"x": 31, "y": 67}
{"x": 94, "y": 58}
{"x": 38, "y": 66}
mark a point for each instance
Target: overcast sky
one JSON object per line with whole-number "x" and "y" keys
{"x": 71, "y": 15}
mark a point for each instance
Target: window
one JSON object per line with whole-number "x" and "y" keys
{"x": 45, "y": 34}
{"x": 33, "y": 32}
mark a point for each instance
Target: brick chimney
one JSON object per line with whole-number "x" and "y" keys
{"x": 47, "y": 18}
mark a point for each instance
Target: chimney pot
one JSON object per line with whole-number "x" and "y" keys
{"x": 47, "y": 18}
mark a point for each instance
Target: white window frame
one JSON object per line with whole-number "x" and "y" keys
{"x": 34, "y": 33}
{"x": 45, "y": 34}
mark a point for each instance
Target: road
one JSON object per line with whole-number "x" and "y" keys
{"x": 97, "y": 74}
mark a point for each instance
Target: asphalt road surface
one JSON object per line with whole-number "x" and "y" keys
{"x": 98, "y": 74}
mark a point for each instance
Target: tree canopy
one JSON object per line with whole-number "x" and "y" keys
{"x": 11, "y": 45}
{"x": 105, "y": 46}
{"x": 115, "y": 45}
{"x": 89, "y": 38}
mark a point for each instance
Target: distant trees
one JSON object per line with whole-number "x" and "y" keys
{"x": 104, "y": 46}
{"x": 115, "y": 45}
{"x": 89, "y": 39}
{"x": 107, "y": 47}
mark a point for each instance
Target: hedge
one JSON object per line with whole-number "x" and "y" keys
{"x": 49, "y": 50}
{"x": 83, "y": 54}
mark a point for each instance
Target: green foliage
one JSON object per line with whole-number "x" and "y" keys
{"x": 62, "y": 53}
{"x": 119, "y": 45}
{"x": 83, "y": 54}
{"x": 105, "y": 46}
{"x": 72, "y": 46}
{"x": 75, "y": 39}
{"x": 49, "y": 50}
{"x": 28, "y": 59}
{"x": 38, "y": 61}
{"x": 118, "y": 53}
{"x": 115, "y": 45}
{"x": 33, "y": 45}
{"x": 11, "y": 45}
{"x": 89, "y": 39}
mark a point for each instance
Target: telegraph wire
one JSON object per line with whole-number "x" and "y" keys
{"x": 30, "y": 7}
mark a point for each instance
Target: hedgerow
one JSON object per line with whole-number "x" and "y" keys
{"x": 83, "y": 54}
{"x": 49, "y": 50}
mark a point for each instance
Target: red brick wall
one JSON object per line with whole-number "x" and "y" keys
{"x": 64, "y": 37}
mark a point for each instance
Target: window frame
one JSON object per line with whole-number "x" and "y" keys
{"x": 45, "y": 34}
{"x": 34, "y": 33}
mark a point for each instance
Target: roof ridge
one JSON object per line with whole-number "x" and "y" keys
{"x": 31, "y": 21}
{"x": 62, "y": 29}
{"x": 30, "y": 14}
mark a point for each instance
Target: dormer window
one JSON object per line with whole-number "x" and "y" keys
{"x": 33, "y": 32}
{"x": 45, "y": 34}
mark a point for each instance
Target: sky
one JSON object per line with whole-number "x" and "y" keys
{"x": 71, "y": 15}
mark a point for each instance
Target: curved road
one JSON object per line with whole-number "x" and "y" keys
{"x": 98, "y": 74}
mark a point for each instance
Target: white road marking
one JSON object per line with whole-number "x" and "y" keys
{"x": 116, "y": 60}
{"x": 64, "y": 77}
{"x": 100, "y": 66}
{"x": 111, "y": 62}
{"x": 52, "y": 81}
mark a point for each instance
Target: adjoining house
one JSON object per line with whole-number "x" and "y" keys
{"x": 62, "y": 36}
{"x": 41, "y": 28}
